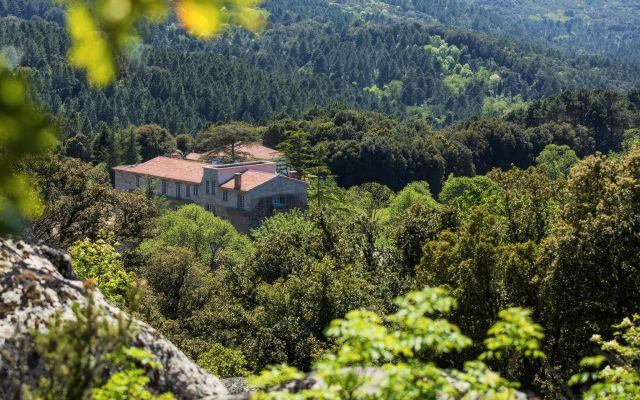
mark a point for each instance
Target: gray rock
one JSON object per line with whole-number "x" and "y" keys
{"x": 235, "y": 386}
{"x": 37, "y": 281}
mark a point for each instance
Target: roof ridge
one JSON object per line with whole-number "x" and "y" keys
{"x": 173, "y": 158}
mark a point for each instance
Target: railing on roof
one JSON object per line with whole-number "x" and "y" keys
{"x": 240, "y": 164}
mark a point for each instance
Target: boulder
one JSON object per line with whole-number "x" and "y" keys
{"x": 37, "y": 281}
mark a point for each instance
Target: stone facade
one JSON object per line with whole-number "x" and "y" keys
{"x": 245, "y": 204}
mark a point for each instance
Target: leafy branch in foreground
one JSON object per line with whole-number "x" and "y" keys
{"x": 620, "y": 378}
{"x": 23, "y": 132}
{"x": 391, "y": 357}
{"x": 103, "y": 30}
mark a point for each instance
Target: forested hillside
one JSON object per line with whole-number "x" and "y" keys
{"x": 310, "y": 55}
{"x": 607, "y": 28}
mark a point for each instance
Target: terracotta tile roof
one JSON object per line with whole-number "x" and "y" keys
{"x": 260, "y": 152}
{"x": 249, "y": 180}
{"x": 254, "y": 151}
{"x": 168, "y": 168}
{"x": 193, "y": 156}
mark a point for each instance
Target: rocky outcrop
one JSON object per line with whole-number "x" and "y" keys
{"x": 38, "y": 281}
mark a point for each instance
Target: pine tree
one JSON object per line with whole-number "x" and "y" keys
{"x": 104, "y": 147}
{"x": 129, "y": 148}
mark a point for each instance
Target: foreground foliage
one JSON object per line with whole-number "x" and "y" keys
{"x": 393, "y": 357}
{"x": 101, "y": 33}
{"x": 620, "y": 377}
{"x": 23, "y": 132}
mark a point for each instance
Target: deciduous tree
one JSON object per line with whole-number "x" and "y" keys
{"x": 154, "y": 141}
{"x": 592, "y": 257}
{"x": 100, "y": 262}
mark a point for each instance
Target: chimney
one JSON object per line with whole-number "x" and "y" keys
{"x": 294, "y": 174}
{"x": 237, "y": 180}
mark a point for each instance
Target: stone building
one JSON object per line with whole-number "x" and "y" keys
{"x": 242, "y": 193}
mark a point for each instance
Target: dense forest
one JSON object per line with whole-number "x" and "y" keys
{"x": 600, "y": 27}
{"x": 607, "y": 28}
{"x": 299, "y": 62}
{"x": 518, "y": 220}
{"x": 473, "y": 222}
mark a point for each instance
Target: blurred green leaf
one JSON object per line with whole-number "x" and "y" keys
{"x": 23, "y": 132}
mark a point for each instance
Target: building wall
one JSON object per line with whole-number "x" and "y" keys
{"x": 260, "y": 201}
{"x": 126, "y": 181}
{"x": 279, "y": 186}
{"x": 266, "y": 208}
{"x": 211, "y": 176}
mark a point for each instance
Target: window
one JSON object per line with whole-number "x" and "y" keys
{"x": 225, "y": 196}
{"x": 137, "y": 181}
{"x": 240, "y": 202}
{"x": 178, "y": 194}
{"x": 195, "y": 190}
{"x": 164, "y": 187}
{"x": 207, "y": 189}
{"x": 188, "y": 190}
{"x": 211, "y": 208}
{"x": 279, "y": 201}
